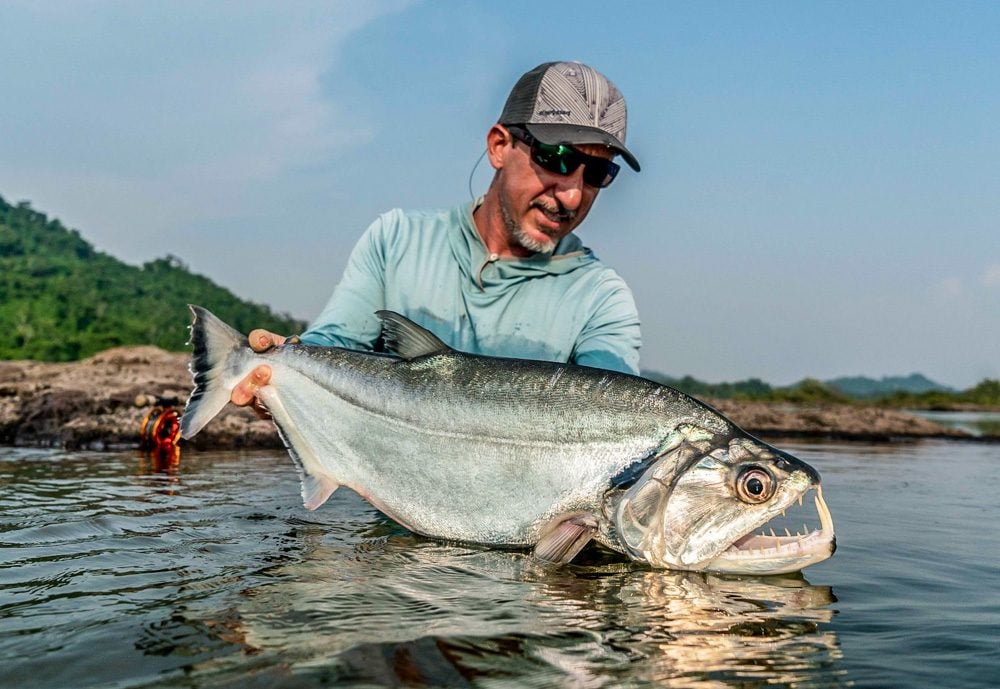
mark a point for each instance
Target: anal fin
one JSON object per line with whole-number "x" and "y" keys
{"x": 566, "y": 538}
{"x": 317, "y": 485}
{"x": 316, "y": 490}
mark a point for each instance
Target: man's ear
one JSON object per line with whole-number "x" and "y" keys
{"x": 499, "y": 142}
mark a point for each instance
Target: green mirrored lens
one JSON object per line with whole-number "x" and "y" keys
{"x": 556, "y": 158}
{"x": 563, "y": 159}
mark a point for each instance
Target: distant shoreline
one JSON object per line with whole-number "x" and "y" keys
{"x": 92, "y": 404}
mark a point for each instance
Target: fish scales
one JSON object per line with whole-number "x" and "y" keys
{"x": 441, "y": 416}
{"x": 510, "y": 452}
{"x": 466, "y": 393}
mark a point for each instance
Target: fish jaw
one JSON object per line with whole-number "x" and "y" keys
{"x": 687, "y": 512}
{"x": 770, "y": 554}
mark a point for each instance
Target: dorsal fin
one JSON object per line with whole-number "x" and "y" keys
{"x": 406, "y": 339}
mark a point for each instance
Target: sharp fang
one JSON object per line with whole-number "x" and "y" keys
{"x": 787, "y": 532}
{"x": 825, "y": 519}
{"x": 773, "y": 535}
{"x": 800, "y": 500}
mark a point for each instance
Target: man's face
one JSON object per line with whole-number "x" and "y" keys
{"x": 540, "y": 207}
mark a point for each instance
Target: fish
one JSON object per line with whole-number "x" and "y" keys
{"x": 520, "y": 454}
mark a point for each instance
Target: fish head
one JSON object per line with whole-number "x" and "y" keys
{"x": 702, "y": 504}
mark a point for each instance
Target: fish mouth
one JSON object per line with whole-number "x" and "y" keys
{"x": 765, "y": 552}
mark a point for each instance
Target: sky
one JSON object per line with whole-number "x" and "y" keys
{"x": 820, "y": 184}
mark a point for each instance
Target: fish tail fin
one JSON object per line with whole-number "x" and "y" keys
{"x": 214, "y": 344}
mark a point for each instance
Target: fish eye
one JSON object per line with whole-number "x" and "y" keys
{"x": 754, "y": 485}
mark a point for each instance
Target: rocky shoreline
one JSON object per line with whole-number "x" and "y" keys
{"x": 100, "y": 403}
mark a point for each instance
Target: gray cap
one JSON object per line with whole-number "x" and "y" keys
{"x": 569, "y": 103}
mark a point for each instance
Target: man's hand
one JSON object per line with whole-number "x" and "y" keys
{"x": 246, "y": 391}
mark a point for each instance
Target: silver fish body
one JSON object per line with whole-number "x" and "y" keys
{"x": 515, "y": 453}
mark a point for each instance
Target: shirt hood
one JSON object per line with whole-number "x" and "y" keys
{"x": 487, "y": 272}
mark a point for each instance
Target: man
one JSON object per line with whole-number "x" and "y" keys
{"x": 503, "y": 276}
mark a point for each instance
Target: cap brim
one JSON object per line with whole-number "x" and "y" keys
{"x": 559, "y": 133}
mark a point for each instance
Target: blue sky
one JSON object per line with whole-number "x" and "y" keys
{"x": 820, "y": 192}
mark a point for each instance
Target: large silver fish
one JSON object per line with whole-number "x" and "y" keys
{"x": 518, "y": 453}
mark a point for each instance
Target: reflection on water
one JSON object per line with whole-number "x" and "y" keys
{"x": 125, "y": 570}
{"x": 122, "y": 569}
{"x": 437, "y": 611}
{"x": 978, "y": 423}
{"x": 160, "y": 460}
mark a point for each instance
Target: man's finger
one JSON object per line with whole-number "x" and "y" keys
{"x": 260, "y": 340}
{"x": 240, "y": 396}
{"x": 245, "y": 391}
{"x": 261, "y": 376}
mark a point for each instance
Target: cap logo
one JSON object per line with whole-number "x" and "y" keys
{"x": 554, "y": 112}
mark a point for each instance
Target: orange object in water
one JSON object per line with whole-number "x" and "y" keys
{"x": 160, "y": 430}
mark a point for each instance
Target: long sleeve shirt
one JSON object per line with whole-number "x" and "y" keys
{"x": 433, "y": 268}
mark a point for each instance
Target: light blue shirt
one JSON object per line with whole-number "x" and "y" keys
{"x": 433, "y": 268}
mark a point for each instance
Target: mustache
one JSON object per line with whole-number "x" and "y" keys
{"x": 559, "y": 212}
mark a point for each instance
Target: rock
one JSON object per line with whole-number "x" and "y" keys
{"x": 844, "y": 421}
{"x": 100, "y": 403}
{"x": 93, "y": 403}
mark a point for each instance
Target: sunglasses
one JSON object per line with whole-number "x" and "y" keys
{"x": 563, "y": 159}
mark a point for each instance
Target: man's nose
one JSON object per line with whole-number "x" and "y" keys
{"x": 569, "y": 189}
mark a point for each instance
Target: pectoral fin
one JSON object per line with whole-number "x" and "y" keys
{"x": 566, "y": 538}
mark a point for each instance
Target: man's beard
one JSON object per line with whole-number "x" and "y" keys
{"x": 516, "y": 233}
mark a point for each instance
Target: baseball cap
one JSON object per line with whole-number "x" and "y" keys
{"x": 569, "y": 103}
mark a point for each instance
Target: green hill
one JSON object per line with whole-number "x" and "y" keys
{"x": 984, "y": 395}
{"x": 863, "y": 386}
{"x": 61, "y": 300}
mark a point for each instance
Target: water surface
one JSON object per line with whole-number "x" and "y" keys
{"x": 119, "y": 572}
{"x": 978, "y": 423}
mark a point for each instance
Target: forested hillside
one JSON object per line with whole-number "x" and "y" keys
{"x": 60, "y": 299}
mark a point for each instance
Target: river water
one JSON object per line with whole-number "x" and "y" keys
{"x": 116, "y": 571}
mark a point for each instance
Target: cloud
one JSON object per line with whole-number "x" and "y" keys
{"x": 954, "y": 287}
{"x": 133, "y": 118}
{"x": 991, "y": 276}
{"x": 950, "y": 287}
{"x": 179, "y": 91}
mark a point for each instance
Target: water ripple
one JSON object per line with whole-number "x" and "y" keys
{"x": 212, "y": 575}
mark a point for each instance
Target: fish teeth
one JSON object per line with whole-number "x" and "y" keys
{"x": 825, "y": 519}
